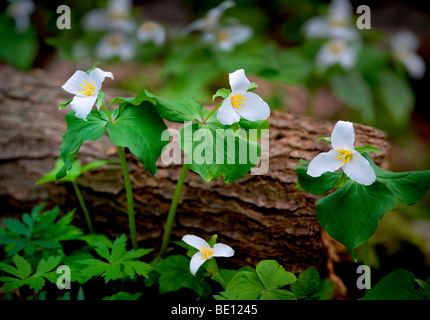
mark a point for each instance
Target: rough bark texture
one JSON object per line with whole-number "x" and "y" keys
{"x": 261, "y": 217}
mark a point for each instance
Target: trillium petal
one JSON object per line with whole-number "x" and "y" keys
{"x": 222, "y": 250}
{"x": 254, "y": 108}
{"x": 195, "y": 242}
{"x": 359, "y": 169}
{"x": 316, "y": 27}
{"x": 230, "y": 36}
{"x": 239, "y": 83}
{"x": 343, "y": 136}
{"x": 340, "y": 10}
{"x": 324, "y": 162}
{"x": 196, "y": 262}
{"x": 415, "y": 66}
{"x": 83, "y": 105}
{"x": 73, "y": 85}
{"x": 226, "y": 113}
{"x": 97, "y": 76}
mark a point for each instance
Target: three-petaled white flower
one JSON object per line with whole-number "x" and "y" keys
{"x": 343, "y": 155}
{"x": 241, "y": 103}
{"x": 227, "y": 37}
{"x": 205, "y": 251}
{"x": 85, "y": 87}
{"x": 404, "y": 45}
{"x": 115, "y": 45}
{"x": 116, "y": 17}
{"x": 151, "y": 31}
{"x": 337, "y": 23}
{"x": 210, "y": 22}
{"x": 336, "y": 51}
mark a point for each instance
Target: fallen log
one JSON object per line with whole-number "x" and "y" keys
{"x": 260, "y": 216}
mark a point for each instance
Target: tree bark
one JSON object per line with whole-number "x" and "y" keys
{"x": 260, "y": 216}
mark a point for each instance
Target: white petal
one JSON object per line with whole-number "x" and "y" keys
{"x": 226, "y": 113}
{"x": 324, "y": 162}
{"x": 347, "y": 58}
{"x": 343, "y": 136}
{"x": 73, "y": 85}
{"x": 340, "y": 11}
{"x": 254, "y": 108}
{"x": 415, "y": 65}
{"x": 195, "y": 263}
{"x": 222, "y": 250}
{"x": 359, "y": 169}
{"x": 96, "y": 20}
{"x": 239, "y": 83}
{"x": 404, "y": 40}
{"x": 316, "y": 27}
{"x": 230, "y": 36}
{"x": 83, "y": 105}
{"x": 97, "y": 76}
{"x": 120, "y": 7}
{"x": 195, "y": 242}
{"x": 216, "y": 13}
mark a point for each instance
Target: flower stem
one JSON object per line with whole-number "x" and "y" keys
{"x": 107, "y": 113}
{"x": 128, "y": 189}
{"x": 172, "y": 210}
{"x": 130, "y": 201}
{"x": 83, "y": 206}
{"x": 212, "y": 112}
{"x": 215, "y": 274}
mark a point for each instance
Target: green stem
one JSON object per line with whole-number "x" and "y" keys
{"x": 129, "y": 193}
{"x": 215, "y": 274}
{"x": 83, "y": 206}
{"x": 128, "y": 189}
{"x": 212, "y": 112}
{"x": 172, "y": 210}
{"x": 107, "y": 113}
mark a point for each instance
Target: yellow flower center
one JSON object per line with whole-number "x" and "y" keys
{"x": 336, "y": 48}
{"x": 149, "y": 27}
{"x": 89, "y": 90}
{"x": 236, "y": 101}
{"x": 346, "y": 155}
{"x": 206, "y": 253}
{"x": 223, "y": 36}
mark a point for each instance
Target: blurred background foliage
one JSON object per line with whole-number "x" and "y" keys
{"x": 377, "y": 89}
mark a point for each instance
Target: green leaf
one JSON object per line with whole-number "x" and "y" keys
{"x": 100, "y": 99}
{"x": 223, "y": 93}
{"x": 22, "y": 266}
{"x": 353, "y": 90}
{"x": 16, "y": 226}
{"x": 253, "y": 86}
{"x": 175, "y": 274}
{"x": 398, "y": 285}
{"x": 350, "y": 214}
{"x": 408, "y": 187}
{"x": 318, "y": 185}
{"x": 264, "y": 284}
{"x": 124, "y": 296}
{"x": 180, "y": 110}
{"x": 121, "y": 263}
{"x": 293, "y": 67}
{"x": 366, "y": 149}
{"x": 79, "y": 131}
{"x": 397, "y": 96}
{"x": 307, "y": 285}
{"x": 326, "y": 139}
{"x": 139, "y": 128}
{"x": 214, "y": 150}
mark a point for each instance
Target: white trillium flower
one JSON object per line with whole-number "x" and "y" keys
{"x": 115, "y": 45}
{"x": 343, "y": 155}
{"x": 209, "y": 22}
{"x": 151, "y": 31}
{"x": 241, "y": 103}
{"x": 226, "y": 38}
{"x": 21, "y": 11}
{"x": 205, "y": 251}
{"x": 404, "y": 45}
{"x": 85, "y": 87}
{"x": 337, "y": 23}
{"x": 115, "y": 17}
{"x": 336, "y": 51}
